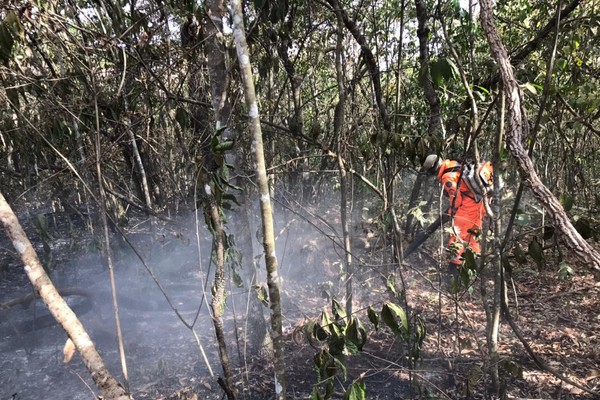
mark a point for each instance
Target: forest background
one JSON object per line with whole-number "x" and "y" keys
{"x": 121, "y": 112}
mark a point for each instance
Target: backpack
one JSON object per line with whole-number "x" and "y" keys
{"x": 479, "y": 179}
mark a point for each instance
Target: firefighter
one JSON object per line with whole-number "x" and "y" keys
{"x": 466, "y": 186}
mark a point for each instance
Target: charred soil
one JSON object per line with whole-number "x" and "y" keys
{"x": 560, "y": 321}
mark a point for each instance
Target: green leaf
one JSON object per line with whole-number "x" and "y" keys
{"x": 356, "y": 391}
{"x": 391, "y": 314}
{"x": 338, "y": 311}
{"x": 391, "y": 285}
{"x": 470, "y": 262}
{"x": 326, "y": 322}
{"x": 6, "y": 43}
{"x": 474, "y": 377}
{"x": 532, "y": 87}
{"x": 483, "y": 89}
{"x": 519, "y": 254}
{"x": 231, "y": 198}
{"x": 584, "y": 227}
{"x": 567, "y": 202}
{"x": 561, "y": 64}
{"x": 442, "y": 69}
{"x": 181, "y": 116}
{"x": 564, "y": 271}
{"x": 223, "y": 146}
{"x": 372, "y": 314}
{"x": 263, "y": 295}
{"x": 315, "y": 395}
{"x": 537, "y": 253}
{"x": 356, "y": 336}
{"x": 522, "y": 219}
{"x": 337, "y": 345}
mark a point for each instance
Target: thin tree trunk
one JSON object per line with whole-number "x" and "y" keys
{"x": 273, "y": 281}
{"x": 514, "y": 137}
{"x": 110, "y": 388}
{"x": 109, "y": 260}
{"x": 338, "y": 128}
{"x": 435, "y": 127}
{"x": 497, "y": 274}
{"x": 139, "y": 164}
{"x": 218, "y": 300}
{"x": 209, "y": 167}
{"x": 219, "y": 83}
{"x": 370, "y": 60}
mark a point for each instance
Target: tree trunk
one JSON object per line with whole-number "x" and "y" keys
{"x": 218, "y": 300}
{"x": 110, "y": 388}
{"x": 273, "y": 281}
{"x": 514, "y": 136}
{"x": 370, "y": 60}
{"x": 436, "y": 126}
{"x": 338, "y": 129}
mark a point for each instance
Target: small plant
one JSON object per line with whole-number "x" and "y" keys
{"x": 338, "y": 336}
{"x": 564, "y": 271}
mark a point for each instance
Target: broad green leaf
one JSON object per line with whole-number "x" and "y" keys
{"x": 181, "y": 116}
{"x": 519, "y": 254}
{"x": 337, "y": 344}
{"x": 326, "y": 322}
{"x": 564, "y": 271}
{"x": 391, "y": 285}
{"x": 356, "y": 391}
{"x": 522, "y": 218}
{"x": 338, "y": 311}
{"x": 356, "y": 335}
{"x": 561, "y": 64}
{"x": 567, "y": 202}
{"x": 372, "y": 314}
{"x": 584, "y": 228}
{"x": 443, "y": 69}
{"x": 391, "y": 314}
{"x": 231, "y": 198}
{"x": 6, "y": 43}
{"x": 263, "y": 295}
{"x": 470, "y": 262}
{"x": 532, "y": 88}
{"x": 473, "y": 379}
{"x": 223, "y": 146}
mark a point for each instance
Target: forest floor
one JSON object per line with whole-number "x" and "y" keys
{"x": 559, "y": 320}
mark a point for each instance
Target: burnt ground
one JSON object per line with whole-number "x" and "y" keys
{"x": 559, "y": 319}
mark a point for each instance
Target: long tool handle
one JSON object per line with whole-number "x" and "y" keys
{"x": 423, "y": 236}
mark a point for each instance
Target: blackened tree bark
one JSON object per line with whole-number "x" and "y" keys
{"x": 110, "y": 388}
{"x": 514, "y": 137}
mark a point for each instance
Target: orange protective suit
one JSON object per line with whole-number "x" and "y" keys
{"x": 467, "y": 214}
